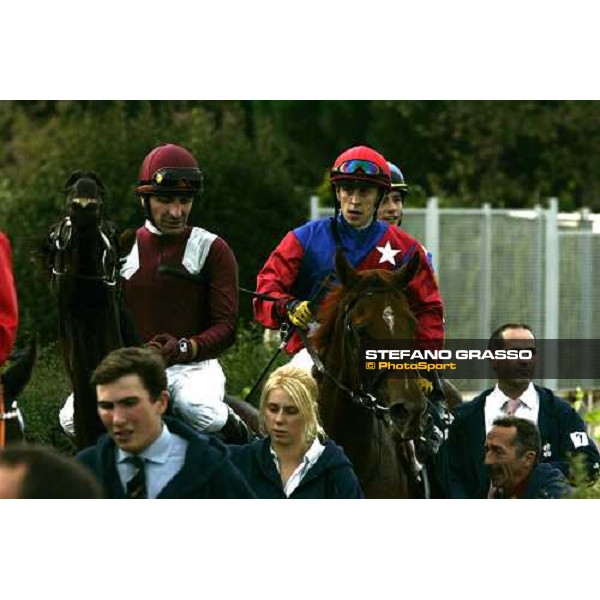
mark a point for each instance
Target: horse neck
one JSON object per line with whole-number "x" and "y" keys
{"x": 350, "y": 425}
{"x": 88, "y": 308}
{"x": 366, "y": 440}
{"x": 89, "y": 247}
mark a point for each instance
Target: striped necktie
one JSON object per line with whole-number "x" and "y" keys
{"x": 136, "y": 486}
{"x": 510, "y": 406}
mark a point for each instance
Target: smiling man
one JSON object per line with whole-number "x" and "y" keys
{"x": 391, "y": 207}
{"x": 146, "y": 454}
{"x": 512, "y": 452}
{"x": 563, "y": 432}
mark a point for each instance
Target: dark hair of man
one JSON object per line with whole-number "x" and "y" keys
{"x": 527, "y": 435}
{"x": 144, "y": 362}
{"x": 48, "y": 474}
{"x": 497, "y": 337}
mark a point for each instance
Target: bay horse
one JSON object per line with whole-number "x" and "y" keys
{"x": 375, "y": 418}
{"x": 82, "y": 259}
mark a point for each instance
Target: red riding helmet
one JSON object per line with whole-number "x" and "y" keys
{"x": 170, "y": 170}
{"x": 361, "y": 164}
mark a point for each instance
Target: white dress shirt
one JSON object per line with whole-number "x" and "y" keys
{"x": 308, "y": 460}
{"x": 494, "y": 403}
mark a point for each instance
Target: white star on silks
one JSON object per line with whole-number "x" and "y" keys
{"x": 387, "y": 254}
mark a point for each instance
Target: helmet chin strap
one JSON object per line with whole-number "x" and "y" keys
{"x": 147, "y": 211}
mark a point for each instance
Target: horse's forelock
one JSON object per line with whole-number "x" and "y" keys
{"x": 84, "y": 184}
{"x": 377, "y": 280}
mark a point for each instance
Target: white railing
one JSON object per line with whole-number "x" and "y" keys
{"x": 536, "y": 266}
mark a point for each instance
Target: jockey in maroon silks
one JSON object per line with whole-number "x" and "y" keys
{"x": 188, "y": 315}
{"x": 294, "y": 272}
{"x": 9, "y": 314}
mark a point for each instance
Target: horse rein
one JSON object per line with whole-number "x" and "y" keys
{"x": 61, "y": 238}
{"x": 362, "y": 398}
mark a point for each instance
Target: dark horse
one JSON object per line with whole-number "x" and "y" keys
{"x": 82, "y": 258}
{"x": 12, "y": 381}
{"x": 375, "y": 418}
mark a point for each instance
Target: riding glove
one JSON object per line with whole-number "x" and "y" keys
{"x": 173, "y": 351}
{"x": 299, "y": 313}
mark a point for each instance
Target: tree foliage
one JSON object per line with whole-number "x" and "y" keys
{"x": 263, "y": 159}
{"x": 247, "y": 187}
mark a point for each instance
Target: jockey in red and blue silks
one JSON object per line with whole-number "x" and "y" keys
{"x": 296, "y": 269}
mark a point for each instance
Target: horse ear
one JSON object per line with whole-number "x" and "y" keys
{"x": 73, "y": 177}
{"x": 345, "y": 271}
{"x": 90, "y": 175}
{"x": 405, "y": 274}
{"x": 99, "y": 182}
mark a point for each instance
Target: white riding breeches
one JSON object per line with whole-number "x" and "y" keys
{"x": 302, "y": 360}
{"x": 197, "y": 392}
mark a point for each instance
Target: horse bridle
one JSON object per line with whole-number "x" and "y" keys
{"x": 61, "y": 238}
{"x": 362, "y": 397}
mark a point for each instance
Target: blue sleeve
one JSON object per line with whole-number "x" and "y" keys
{"x": 228, "y": 482}
{"x": 346, "y": 484}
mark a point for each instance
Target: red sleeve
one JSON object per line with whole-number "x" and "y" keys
{"x": 223, "y": 302}
{"x": 426, "y": 301}
{"x": 277, "y": 278}
{"x": 9, "y": 316}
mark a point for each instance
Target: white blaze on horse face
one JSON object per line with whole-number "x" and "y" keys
{"x": 388, "y": 317}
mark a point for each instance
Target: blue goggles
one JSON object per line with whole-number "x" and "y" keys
{"x": 350, "y": 167}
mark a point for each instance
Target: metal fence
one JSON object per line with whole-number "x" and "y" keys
{"x": 496, "y": 265}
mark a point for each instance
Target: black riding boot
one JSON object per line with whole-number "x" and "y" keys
{"x": 235, "y": 431}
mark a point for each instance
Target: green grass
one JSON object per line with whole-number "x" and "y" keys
{"x": 42, "y": 399}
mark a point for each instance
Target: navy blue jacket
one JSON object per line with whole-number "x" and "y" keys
{"x": 468, "y": 477}
{"x": 544, "y": 483}
{"x": 332, "y": 476}
{"x": 206, "y": 473}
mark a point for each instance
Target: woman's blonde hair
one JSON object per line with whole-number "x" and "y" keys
{"x": 302, "y": 389}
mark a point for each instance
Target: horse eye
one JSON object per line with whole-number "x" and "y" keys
{"x": 360, "y": 329}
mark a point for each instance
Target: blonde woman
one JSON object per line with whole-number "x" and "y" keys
{"x": 295, "y": 459}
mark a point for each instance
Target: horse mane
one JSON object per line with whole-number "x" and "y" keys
{"x": 327, "y": 318}
{"x": 126, "y": 241}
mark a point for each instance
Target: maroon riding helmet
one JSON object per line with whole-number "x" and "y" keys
{"x": 168, "y": 170}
